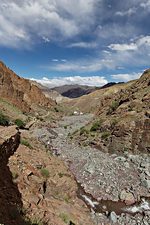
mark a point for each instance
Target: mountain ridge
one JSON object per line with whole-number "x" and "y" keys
{"x": 20, "y": 91}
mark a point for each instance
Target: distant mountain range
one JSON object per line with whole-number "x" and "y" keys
{"x": 75, "y": 91}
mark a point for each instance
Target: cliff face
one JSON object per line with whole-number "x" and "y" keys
{"x": 10, "y": 197}
{"x": 20, "y": 91}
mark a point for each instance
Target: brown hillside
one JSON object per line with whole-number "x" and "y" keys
{"x": 122, "y": 120}
{"x": 20, "y": 91}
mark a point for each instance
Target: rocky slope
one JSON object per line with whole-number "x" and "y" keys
{"x": 10, "y": 197}
{"x": 91, "y": 102}
{"x": 48, "y": 189}
{"x": 20, "y": 91}
{"x": 36, "y": 190}
{"x": 50, "y": 93}
{"x": 122, "y": 121}
{"x": 115, "y": 188}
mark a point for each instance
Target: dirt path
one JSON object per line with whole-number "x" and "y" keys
{"x": 103, "y": 177}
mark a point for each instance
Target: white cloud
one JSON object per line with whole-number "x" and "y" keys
{"x": 55, "y": 82}
{"x": 46, "y": 39}
{"x": 55, "y": 60}
{"x": 140, "y": 42}
{"x": 123, "y": 47}
{"x": 128, "y": 12}
{"x": 63, "y": 60}
{"x": 83, "y": 45}
{"x": 145, "y": 4}
{"x": 86, "y": 65}
{"x": 126, "y": 77}
{"x": 51, "y": 20}
{"x": 143, "y": 41}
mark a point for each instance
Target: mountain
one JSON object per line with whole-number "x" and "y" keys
{"x": 122, "y": 117}
{"x": 74, "y": 91}
{"x": 89, "y": 103}
{"x": 20, "y": 91}
{"x": 50, "y": 93}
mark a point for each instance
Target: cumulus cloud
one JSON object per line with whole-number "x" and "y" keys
{"x": 116, "y": 56}
{"x": 140, "y": 42}
{"x": 55, "y": 82}
{"x": 21, "y": 21}
{"x": 145, "y": 4}
{"x": 126, "y": 77}
{"x": 123, "y": 47}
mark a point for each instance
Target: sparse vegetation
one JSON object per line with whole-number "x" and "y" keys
{"x": 15, "y": 175}
{"x": 26, "y": 143}
{"x": 130, "y": 108}
{"x": 83, "y": 130}
{"x": 4, "y": 120}
{"x": 20, "y": 123}
{"x": 45, "y": 172}
{"x": 114, "y": 105}
{"x": 60, "y": 174}
{"x": 114, "y": 122}
{"x": 105, "y": 135}
{"x": 56, "y": 109}
{"x": 96, "y": 126}
{"x": 64, "y": 217}
{"x": 36, "y": 221}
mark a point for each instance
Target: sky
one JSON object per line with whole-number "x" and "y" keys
{"x": 88, "y": 42}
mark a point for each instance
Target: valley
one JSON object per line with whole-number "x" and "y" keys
{"x": 61, "y": 168}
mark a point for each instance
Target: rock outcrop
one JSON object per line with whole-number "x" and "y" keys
{"x": 20, "y": 91}
{"x": 10, "y": 197}
{"x": 127, "y": 117}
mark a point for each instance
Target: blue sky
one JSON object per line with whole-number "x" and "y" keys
{"x": 75, "y": 41}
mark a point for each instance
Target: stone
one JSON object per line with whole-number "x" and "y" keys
{"x": 127, "y": 197}
{"x": 113, "y": 217}
{"x": 144, "y": 165}
{"x": 90, "y": 169}
{"x": 146, "y": 183}
{"x": 122, "y": 159}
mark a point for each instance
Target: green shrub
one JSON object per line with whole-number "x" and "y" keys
{"x": 45, "y": 172}
{"x": 4, "y": 120}
{"x": 83, "y": 130}
{"x": 96, "y": 126}
{"x": 26, "y": 143}
{"x": 60, "y": 174}
{"x": 64, "y": 217}
{"x": 19, "y": 123}
{"x": 114, "y": 105}
{"x": 15, "y": 175}
{"x": 130, "y": 108}
{"x": 105, "y": 135}
{"x": 114, "y": 122}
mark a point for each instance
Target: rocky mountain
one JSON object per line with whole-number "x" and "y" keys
{"x": 50, "y": 93}
{"x": 122, "y": 120}
{"x": 90, "y": 103}
{"x": 20, "y": 91}
{"x": 90, "y": 168}
{"x": 74, "y": 91}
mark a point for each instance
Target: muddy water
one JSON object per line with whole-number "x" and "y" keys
{"x": 107, "y": 206}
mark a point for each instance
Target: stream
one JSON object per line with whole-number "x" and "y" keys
{"x": 101, "y": 177}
